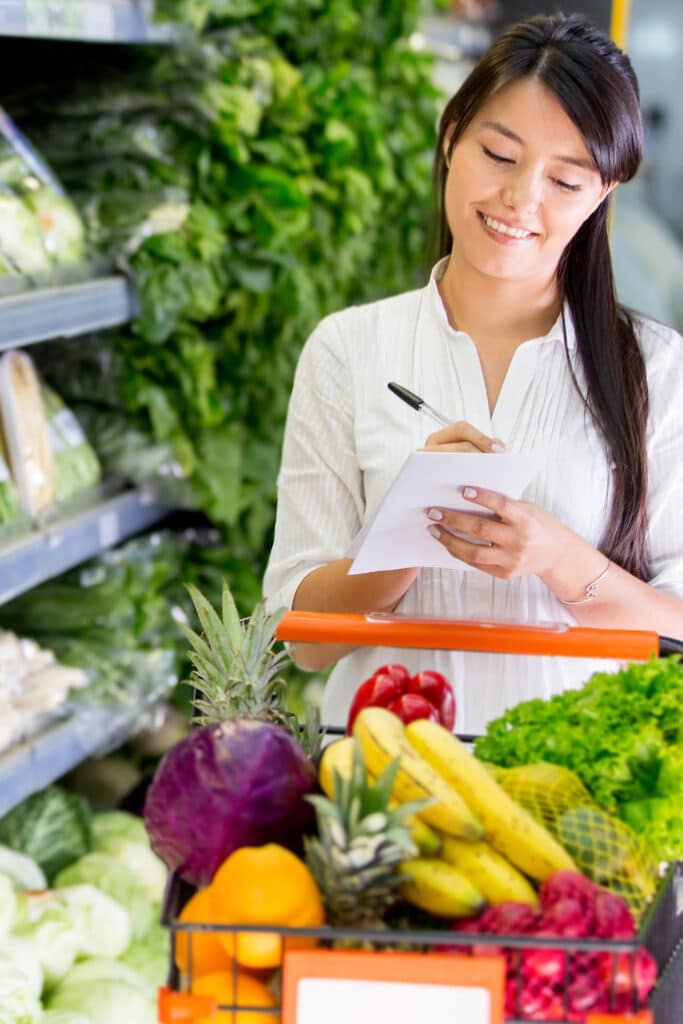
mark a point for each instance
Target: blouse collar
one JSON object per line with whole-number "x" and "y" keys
{"x": 554, "y": 334}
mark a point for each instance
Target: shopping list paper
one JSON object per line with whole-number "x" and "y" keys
{"x": 397, "y": 536}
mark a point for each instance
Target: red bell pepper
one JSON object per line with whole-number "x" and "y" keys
{"x": 427, "y": 694}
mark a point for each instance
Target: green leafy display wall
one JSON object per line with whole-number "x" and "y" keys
{"x": 272, "y": 169}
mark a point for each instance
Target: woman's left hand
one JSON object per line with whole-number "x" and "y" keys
{"x": 520, "y": 539}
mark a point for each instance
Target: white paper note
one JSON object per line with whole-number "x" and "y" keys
{"x": 398, "y": 538}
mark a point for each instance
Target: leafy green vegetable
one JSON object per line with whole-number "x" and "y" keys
{"x": 8, "y": 904}
{"x": 150, "y": 956}
{"x": 22, "y": 871}
{"x": 18, "y": 1004}
{"x": 622, "y": 734}
{"x": 53, "y": 827}
{"x": 103, "y": 924}
{"x": 115, "y": 880}
{"x": 253, "y": 180}
{"x": 106, "y": 991}
{"x": 54, "y": 935}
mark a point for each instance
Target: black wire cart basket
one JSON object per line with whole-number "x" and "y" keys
{"x": 575, "y": 967}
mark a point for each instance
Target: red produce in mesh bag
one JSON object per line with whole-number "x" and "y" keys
{"x": 612, "y": 917}
{"x": 568, "y": 918}
{"x": 509, "y": 918}
{"x": 565, "y": 885}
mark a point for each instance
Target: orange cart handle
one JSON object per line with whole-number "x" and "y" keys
{"x": 385, "y": 630}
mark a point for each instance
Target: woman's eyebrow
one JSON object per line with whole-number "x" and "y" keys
{"x": 576, "y": 161}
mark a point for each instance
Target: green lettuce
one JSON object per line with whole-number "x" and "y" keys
{"x": 622, "y": 734}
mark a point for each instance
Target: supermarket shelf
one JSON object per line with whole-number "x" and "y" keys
{"x": 34, "y": 557}
{"x": 89, "y": 21}
{"x": 65, "y": 311}
{"x": 91, "y": 732}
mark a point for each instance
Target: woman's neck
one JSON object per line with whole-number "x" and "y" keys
{"x": 487, "y": 307}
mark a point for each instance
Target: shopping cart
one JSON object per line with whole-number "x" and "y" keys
{"x": 661, "y": 928}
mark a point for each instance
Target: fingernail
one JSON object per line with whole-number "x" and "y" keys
{"x": 469, "y": 492}
{"x": 435, "y": 531}
{"x": 497, "y": 446}
{"x": 435, "y": 513}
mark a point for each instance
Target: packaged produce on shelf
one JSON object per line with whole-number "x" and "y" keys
{"x": 27, "y": 434}
{"x": 50, "y": 459}
{"x": 34, "y": 687}
{"x": 77, "y": 467}
{"x": 9, "y": 504}
{"x": 40, "y": 228}
{"x": 112, "y": 617}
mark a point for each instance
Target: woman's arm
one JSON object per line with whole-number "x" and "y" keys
{"x": 330, "y": 589}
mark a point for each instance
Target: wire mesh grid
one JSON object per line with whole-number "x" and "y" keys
{"x": 548, "y": 980}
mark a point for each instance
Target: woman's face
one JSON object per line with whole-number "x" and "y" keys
{"x": 520, "y": 184}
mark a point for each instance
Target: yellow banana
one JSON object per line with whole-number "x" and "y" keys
{"x": 494, "y": 876}
{"x": 433, "y": 885}
{"x": 338, "y": 756}
{"x": 509, "y": 828}
{"x": 382, "y": 738}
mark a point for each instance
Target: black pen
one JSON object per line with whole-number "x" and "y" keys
{"x": 419, "y": 404}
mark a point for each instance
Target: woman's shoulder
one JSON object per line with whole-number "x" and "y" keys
{"x": 367, "y": 320}
{"x": 659, "y": 343}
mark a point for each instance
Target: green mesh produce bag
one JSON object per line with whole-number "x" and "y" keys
{"x": 603, "y": 847}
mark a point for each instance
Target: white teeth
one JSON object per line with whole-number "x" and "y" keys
{"x": 503, "y": 229}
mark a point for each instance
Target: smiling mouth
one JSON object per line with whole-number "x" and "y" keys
{"x": 520, "y": 234}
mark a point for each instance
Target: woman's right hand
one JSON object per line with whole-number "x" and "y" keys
{"x": 462, "y": 437}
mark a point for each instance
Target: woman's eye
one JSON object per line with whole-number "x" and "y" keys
{"x": 566, "y": 186}
{"x": 496, "y": 156}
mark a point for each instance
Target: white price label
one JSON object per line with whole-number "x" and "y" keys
{"x": 338, "y": 986}
{"x": 382, "y": 1002}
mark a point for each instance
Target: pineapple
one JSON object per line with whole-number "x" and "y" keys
{"x": 235, "y": 668}
{"x": 360, "y": 843}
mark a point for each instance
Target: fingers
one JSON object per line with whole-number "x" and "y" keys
{"x": 462, "y": 436}
{"x": 488, "y": 557}
{"x": 482, "y": 528}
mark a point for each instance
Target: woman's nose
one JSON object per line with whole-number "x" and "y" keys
{"x": 522, "y": 192}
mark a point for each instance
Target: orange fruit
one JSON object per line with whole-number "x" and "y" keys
{"x": 250, "y": 993}
{"x": 264, "y": 885}
{"x": 204, "y": 949}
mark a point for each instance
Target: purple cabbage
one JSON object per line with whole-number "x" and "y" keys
{"x": 226, "y": 785}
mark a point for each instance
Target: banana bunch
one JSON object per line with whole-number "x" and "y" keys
{"x": 477, "y": 845}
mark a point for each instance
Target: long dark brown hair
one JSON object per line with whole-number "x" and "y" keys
{"x": 598, "y": 89}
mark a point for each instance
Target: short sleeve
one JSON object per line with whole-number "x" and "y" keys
{"x": 320, "y": 502}
{"x": 663, "y": 349}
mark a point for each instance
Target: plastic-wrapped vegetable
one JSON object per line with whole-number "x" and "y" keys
{"x": 39, "y": 226}
{"x": 26, "y": 434}
{"x": 76, "y": 464}
{"x": 9, "y": 504}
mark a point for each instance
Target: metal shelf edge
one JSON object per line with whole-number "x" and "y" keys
{"x": 65, "y": 311}
{"x": 87, "y": 21}
{"x": 35, "y": 763}
{"x": 32, "y": 558}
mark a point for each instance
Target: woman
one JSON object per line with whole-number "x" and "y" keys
{"x": 518, "y": 338}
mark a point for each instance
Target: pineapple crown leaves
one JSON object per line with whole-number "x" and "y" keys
{"x": 360, "y": 807}
{"x": 235, "y": 668}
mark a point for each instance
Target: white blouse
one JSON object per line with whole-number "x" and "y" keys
{"x": 347, "y": 436}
